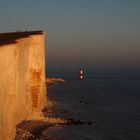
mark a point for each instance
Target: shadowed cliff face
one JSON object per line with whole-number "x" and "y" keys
{"x": 10, "y": 38}
{"x": 22, "y": 79}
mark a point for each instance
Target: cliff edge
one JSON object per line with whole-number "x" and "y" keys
{"x": 22, "y": 78}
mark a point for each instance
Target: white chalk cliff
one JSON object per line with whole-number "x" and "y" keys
{"x": 22, "y": 79}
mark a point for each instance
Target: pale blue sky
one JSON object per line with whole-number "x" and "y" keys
{"x": 101, "y": 34}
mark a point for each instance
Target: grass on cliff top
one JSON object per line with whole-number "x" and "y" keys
{"x": 11, "y": 37}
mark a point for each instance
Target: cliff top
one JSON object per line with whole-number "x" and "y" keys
{"x": 10, "y": 38}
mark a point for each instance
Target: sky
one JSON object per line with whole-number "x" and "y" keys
{"x": 93, "y": 34}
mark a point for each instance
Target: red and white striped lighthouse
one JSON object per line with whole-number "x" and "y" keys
{"x": 81, "y": 74}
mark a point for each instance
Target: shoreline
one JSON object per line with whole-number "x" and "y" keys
{"x": 35, "y": 127}
{"x": 47, "y": 120}
{"x": 52, "y": 81}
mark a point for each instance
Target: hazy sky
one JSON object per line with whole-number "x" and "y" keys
{"x": 94, "y": 34}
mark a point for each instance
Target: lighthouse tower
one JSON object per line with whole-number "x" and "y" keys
{"x": 81, "y": 74}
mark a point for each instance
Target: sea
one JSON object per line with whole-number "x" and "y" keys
{"x": 102, "y": 107}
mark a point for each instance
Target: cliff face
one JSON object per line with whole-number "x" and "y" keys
{"x": 22, "y": 80}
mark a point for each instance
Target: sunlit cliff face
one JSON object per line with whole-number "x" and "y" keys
{"x": 22, "y": 79}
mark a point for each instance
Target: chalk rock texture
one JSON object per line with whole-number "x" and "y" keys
{"x": 22, "y": 78}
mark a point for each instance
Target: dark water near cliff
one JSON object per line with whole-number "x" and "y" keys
{"x": 110, "y": 102}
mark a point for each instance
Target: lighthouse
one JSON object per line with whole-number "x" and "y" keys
{"x": 81, "y": 74}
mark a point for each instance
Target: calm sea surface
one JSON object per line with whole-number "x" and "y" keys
{"x": 110, "y": 102}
